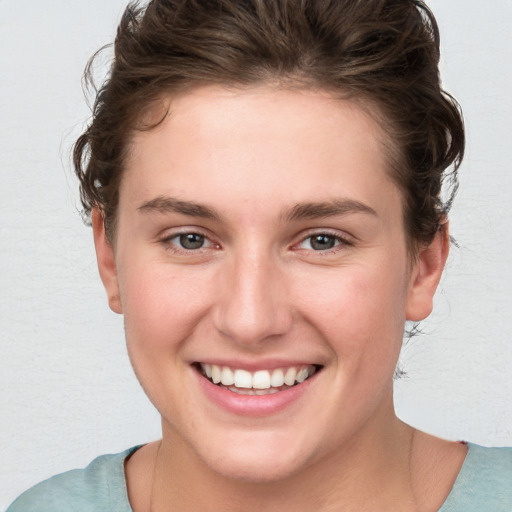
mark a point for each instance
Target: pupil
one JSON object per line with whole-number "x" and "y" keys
{"x": 322, "y": 242}
{"x": 191, "y": 241}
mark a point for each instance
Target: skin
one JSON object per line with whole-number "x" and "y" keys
{"x": 258, "y": 291}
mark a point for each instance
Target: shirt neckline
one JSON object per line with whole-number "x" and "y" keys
{"x": 120, "y": 502}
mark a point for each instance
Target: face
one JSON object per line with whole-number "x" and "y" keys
{"x": 261, "y": 266}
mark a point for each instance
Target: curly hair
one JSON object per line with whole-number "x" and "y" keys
{"x": 383, "y": 54}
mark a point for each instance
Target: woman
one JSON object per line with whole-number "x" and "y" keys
{"x": 264, "y": 183}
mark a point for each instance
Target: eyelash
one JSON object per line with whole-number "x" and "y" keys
{"x": 339, "y": 241}
{"x": 174, "y": 247}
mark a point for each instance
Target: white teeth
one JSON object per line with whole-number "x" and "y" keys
{"x": 277, "y": 379}
{"x": 241, "y": 391}
{"x": 289, "y": 377}
{"x": 243, "y": 379}
{"x": 302, "y": 375}
{"x": 216, "y": 374}
{"x": 227, "y": 377}
{"x": 260, "y": 382}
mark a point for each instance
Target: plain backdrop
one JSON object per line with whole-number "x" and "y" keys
{"x": 67, "y": 392}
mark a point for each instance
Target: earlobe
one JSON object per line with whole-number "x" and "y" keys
{"x": 426, "y": 275}
{"x": 106, "y": 261}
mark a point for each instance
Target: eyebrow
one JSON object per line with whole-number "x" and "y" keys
{"x": 301, "y": 211}
{"x": 332, "y": 208}
{"x": 166, "y": 204}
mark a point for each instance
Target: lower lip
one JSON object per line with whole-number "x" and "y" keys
{"x": 253, "y": 405}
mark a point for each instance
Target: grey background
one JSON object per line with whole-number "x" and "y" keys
{"x": 67, "y": 389}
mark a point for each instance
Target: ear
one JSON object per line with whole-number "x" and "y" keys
{"x": 425, "y": 276}
{"x": 106, "y": 261}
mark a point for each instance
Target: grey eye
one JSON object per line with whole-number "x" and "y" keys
{"x": 322, "y": 242}
{"x": 191, "y": 241}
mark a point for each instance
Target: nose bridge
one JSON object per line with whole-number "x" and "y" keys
{"x": 252, "y": 305}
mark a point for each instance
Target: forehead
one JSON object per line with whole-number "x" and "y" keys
{"x": 264, "y": 144}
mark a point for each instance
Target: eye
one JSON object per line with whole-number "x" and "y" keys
{"x": 322, "y": 242}
{"x": 191, "y": 241}
{"x": 187, "y": 241}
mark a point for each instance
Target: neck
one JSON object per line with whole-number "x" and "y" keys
{"x": 371, "y": 471}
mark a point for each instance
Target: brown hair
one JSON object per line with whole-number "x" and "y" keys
{"x": 383, "y": 53}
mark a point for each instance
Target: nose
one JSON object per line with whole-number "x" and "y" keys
{"x": 252, "y": 305}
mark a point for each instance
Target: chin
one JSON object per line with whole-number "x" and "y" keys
{"x": 257, "y": 470}
{"x": 257, "y": 460}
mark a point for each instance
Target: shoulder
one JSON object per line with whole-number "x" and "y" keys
{"x": 484, "y": 481}
{"x": 488, "y": 461}
{"x": 92, "y": 488}
{"x": 489, "y": 469}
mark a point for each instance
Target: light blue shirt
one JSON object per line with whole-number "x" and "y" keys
{"x": 484, "y": 484}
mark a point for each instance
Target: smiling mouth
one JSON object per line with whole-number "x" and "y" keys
{"x": 261, "y": 382}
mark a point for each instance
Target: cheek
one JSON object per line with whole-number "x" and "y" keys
{"x": 361, "y": 312}
{"x": 161, "y": 305}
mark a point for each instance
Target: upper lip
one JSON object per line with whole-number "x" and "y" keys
{"x": 262, "y": 364}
